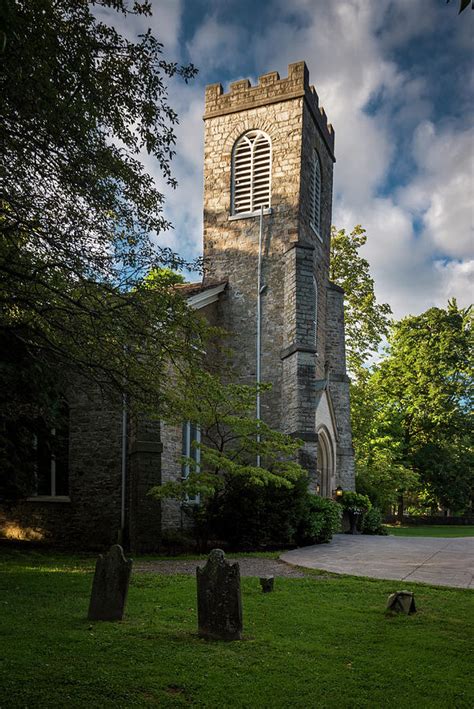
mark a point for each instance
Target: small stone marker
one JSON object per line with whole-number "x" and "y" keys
{"x": 219, "y": 598}
{"x": 402, "y": 602}
{"x": 266, "y": 583}
{"x": 110, "y": 585}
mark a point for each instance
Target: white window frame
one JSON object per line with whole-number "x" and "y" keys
{"x": 188, "y": 452}
{"x": 252, "y": 137}
{"x": 52, "y": 495}
{"x": 316, "y": 190}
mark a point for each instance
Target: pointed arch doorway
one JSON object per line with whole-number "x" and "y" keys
{"x": 325, "y": 463}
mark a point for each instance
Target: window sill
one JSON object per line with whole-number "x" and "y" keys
{"x": 249, "y": 215}
{"x": 317, "y": 233}
{"x": 48, "y": 498}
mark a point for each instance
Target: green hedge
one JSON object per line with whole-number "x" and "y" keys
{"x": 249, "y": 517}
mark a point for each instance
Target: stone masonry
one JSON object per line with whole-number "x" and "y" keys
{"x": 296, "y": 258}
{"x": 302, "y": 353}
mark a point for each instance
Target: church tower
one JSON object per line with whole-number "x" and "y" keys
{"x": 268, "y": 172}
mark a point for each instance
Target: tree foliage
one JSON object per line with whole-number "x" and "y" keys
{"x": 244, "y": 502}
{"x": 366, "y": 320}
{"x": 382, "y": 471}
{"x": 81, "y": 104}
{"x": 412, "y": 420}
{"x": 427, "y": 383}
{"x": 231, "y": 440}
{"x": 79, "y": 215}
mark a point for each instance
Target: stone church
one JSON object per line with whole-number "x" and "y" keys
{"x": 268, "y": 174}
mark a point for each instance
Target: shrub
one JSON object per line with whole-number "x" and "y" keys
{"x": 245, "y": 516}
{"x": 356, "y": 506}
{"x": 321, "y": 519}
{"x": 355, "y": 502}
{"x": 372, "y": 522}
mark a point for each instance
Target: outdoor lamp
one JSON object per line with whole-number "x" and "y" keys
{"x": 338, "y": 491}
{"x": 318, "y": 488}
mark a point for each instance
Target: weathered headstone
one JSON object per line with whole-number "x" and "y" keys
{"x": 266, "y": 583}
{"x": 402, "y": 602}
{"x": 110, "y": 585}
{"x": 219, "y": 598}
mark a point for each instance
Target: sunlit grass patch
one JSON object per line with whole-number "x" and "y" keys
{"x": 323, "y": 642}
{"x": 441, "y": 530}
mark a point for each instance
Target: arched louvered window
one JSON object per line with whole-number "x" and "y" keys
{"x": 315, "y": 216}
{"x": 251, "y": 173}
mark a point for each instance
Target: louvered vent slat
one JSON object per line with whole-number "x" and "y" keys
{"x": 251, "y": 169}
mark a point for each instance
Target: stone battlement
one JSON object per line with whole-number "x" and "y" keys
{"x": 270, "y": 89}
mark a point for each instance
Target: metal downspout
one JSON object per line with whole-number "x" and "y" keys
{"x": 260, "y": 289}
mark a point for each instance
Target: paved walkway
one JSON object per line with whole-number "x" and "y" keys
{"x": 249, "y": 566}
{"x": 442, "y": 562}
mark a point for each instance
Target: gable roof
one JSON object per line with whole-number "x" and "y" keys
{"x": 201, "y": 294}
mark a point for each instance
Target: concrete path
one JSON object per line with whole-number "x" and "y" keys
{"x": 442, "y": 562}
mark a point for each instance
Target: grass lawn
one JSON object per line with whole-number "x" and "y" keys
{"x": 315, "y": 642}
{"x": 440, "y": 530}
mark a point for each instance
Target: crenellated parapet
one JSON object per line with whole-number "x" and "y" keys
{"x": 270, "y": 89}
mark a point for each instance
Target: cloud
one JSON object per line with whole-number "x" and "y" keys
{"x": 398, "y": 135}
{"x": 403, "y": 165}
{"x": 165, "y": 22}
{"x": 441, "y": 193}
{"x": 456, "y": 280}
{"x": 215, "y": 45}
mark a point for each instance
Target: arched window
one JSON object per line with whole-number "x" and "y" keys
{"x": 315, "y": 215}
{"x": 251, "y": 172}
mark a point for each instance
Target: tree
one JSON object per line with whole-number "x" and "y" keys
{"x": 366, "y": 321}
{"x": 382, "y": 471}
{"x": 243, "y": 501}
{"x": 79, "y": 215}
{"x": 426, "y": 383}
{"x": 231, "y": 439}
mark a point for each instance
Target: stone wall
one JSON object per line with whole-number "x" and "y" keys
{"x": 90, "y": 516}
{"x": 287, "y": 110}
{"x": 231, "y": 245}
{"x": 143, "y": 473}
{"x": 295, "y": 257}
{"x": 171, "y": 437}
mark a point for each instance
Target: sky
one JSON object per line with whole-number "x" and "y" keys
{"x": 395, "y": 78}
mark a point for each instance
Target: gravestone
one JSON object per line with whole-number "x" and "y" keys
{"x": 110, "y": 585}
{"x": 266, "y": 583}
{"x": 219, "y": 598}
{"x": 402, "y": 602}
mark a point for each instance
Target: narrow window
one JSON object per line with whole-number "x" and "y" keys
{"x": 52, "y": 456}
{"x": 191, "y": 451}
{"x": 315, "y": 215}
{"x": 251, "y": 173}
{"x": 315, "y": 287}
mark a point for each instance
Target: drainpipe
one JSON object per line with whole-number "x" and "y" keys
{"x": 260, "y": 290}
{"x": 124, "y": 467}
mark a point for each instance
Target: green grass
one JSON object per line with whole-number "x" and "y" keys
{"x": 315, "y": 642}
{"x": 440, "y": 530}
